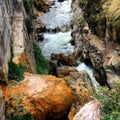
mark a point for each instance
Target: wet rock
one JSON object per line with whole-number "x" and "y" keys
{"x": 101, "y": 77}
{"x": 61, "y": 0}
{"x": 79, "y": 83}
{"x": 45, "y": 97}
{"x": 42, "y": 5}
{"x": 64, "y": 29}
{"x": 40, "y": 37}
{"x": 63, "y": 59}
{"x": 39, "y": 26}
{"x": 52, "y": 67}
{"x": 62, "y": 72}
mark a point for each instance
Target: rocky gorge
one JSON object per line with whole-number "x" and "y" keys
{"x": 95, "y": 47}
{"x": 79, "y": 51}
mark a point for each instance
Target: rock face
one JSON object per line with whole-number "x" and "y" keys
{"x": 13, "y": 36}
{"x": 80, "y": 84}
{"x": 45, "y": 97}
{"x": 101, "y": 54}
{"x": 6, "y": 13}
{"x": 65, "y": 71}
{"x": 2, "y": 106}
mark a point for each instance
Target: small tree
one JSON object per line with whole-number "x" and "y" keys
{"x": 15, "y": 72}
{"x": 29, "y": 7}
{"x": 42, "y": 64}
{"x": 27, "y": 116}
{"x": 29, "y": 25}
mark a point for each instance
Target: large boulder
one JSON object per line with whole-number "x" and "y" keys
{"x": 90, "y": 111}
{"x": 45, "y": 97}
{"x": 80, "y": 84}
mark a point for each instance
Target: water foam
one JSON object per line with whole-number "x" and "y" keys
{"x": 56, "y": 43}
{"x": 83, "y": 66}
{"x": 60, "y": 14}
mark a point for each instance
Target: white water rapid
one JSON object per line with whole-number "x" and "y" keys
{"x": 56, "y": 43}
{"x": 59, "y": 15}
{"x": 83, "y": 66}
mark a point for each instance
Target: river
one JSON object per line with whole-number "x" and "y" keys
{"x": 60, "y": 15}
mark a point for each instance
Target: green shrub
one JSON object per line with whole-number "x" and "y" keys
{"x": 110, "y": 100}
{"x": 15, "y": 72}
{"x": 29, "y": 25}
{"x": 29, "y": 7}
{"x": 41, "y": 62}
{"x": 27, "y": 116}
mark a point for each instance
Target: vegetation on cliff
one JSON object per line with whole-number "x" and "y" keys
{"x": 15, "y": 72}
{"x": 41, "y": 63}
{"x": 110, "y": 103}
{"x": 29, "y": 25}
{"x": 103, "y": 17}
{"x": 27, "y": 116}
{"x": 29, "y": 7}
{"x": 112, "y": 11}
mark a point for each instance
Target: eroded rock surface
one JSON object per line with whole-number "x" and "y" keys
{"x": 45, "y": 97}
{"x": 63, "y": 59}
{"x": 2, "y": 105}
{"x": 6, "y": 12}
{"x": 80, "y": 84}
{"x": 94, "y": 50}
{"x": 14, "y": 39}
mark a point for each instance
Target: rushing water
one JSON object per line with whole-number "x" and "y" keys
{"x": 60, "y": 15}
{"x": 83, "y": 66}
{"x": 56, "y": 43}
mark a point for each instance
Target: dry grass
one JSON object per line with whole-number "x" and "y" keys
{"x": 112, "y": 10}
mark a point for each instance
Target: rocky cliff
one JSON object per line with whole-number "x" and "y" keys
{"x": 15, "y": 43}
{"x": 92, "y": 44}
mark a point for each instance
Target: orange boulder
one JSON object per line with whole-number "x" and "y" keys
{"x": 43, "y": 96}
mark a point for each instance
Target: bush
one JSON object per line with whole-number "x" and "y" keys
{"x": 110, "y": 100}
{"x": 41, "y": 63}
{"x": 15, "y": 72}
{"x": 27, "y": 116}
{"x": 29, "y": 25}
{"x": 29, "y": 8}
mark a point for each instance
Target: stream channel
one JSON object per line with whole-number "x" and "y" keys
{"x": 60, "y": 16}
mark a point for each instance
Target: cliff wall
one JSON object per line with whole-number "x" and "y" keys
{"x": 15, "y": 42}
{"x": 93, "y": 44}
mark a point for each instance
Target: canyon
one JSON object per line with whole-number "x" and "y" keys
{"x": 70, "y": 42}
